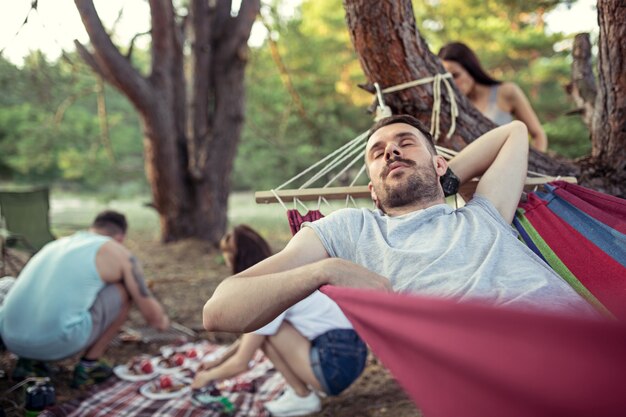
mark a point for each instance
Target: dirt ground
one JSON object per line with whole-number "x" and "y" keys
{"x": 183, "y": 275}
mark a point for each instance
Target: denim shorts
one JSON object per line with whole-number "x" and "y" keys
{"x": 337, "y": 358}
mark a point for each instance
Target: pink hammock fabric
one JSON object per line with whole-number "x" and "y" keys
{"x": 471, "y": 360}
{"x": 296, "y": 219}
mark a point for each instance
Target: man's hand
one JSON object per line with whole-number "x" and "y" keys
{"x": 165, "y": 323}
{"x": 343, "y": 273}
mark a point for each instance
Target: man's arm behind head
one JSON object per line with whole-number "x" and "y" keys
{"x": 500, "y": 157}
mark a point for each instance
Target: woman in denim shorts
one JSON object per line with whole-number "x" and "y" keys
{"x": 312, "y": 344}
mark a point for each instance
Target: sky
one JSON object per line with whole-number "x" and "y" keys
{"x": 56, "y": 23}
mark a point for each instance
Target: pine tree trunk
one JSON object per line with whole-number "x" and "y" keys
{"x": 583, "y": 88}
{"x": 191, "y": 124}
{"x": 392, "y": 51}
{"x": 606, "y": 168}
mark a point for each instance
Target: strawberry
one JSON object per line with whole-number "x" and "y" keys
{"x": 165, "y": 382}
{"x": 192, "y": 353}
{"x": 146, "y": 366}
{"x": 179, "y": 359}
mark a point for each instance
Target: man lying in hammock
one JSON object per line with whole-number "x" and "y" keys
{"x": 415, "y": 242}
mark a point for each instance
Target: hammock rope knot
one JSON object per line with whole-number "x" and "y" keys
{"x": 382, "y": 110}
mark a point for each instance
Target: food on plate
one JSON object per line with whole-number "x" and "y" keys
{"x": 176, "y": 360}
{"x": 166, "y": 383}
{"x": 140, "y": 365}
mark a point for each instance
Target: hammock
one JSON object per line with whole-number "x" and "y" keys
{"x": 471, "y": 360}
{"x": 476, "y": 360}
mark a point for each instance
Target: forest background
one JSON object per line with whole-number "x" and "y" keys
{"x": 60, "y": 125}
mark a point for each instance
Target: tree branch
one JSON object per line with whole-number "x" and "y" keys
{"x": 222, "y": 21}
{"x": 131, "y": 47}
{"x": 91, "y": 61}
{"x": 239, "y": 31}
{"x": 112, "y": 64}
{"x": 200, "y": 111}
{"x": 163, "y": 36}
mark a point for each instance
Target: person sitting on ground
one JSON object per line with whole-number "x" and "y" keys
{"x": 73, "y": 296}
{"x": 414, "y": 242}
{"x": 499, "y": 101}
{"x": 311, "y": 344}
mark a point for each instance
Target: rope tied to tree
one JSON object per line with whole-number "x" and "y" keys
{"x": 382, "y": 110}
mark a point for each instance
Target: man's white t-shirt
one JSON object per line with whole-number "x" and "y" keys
{"x": 470, "y": 253}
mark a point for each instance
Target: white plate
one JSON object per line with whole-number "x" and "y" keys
{"x": 121, "y": 371}
{"x": 148, "y": 393}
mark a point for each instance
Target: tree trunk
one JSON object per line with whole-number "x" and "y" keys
{"x": 392, "y": 51}
{"x": 191, "y": 125}
{"x": 583, "y": 88}
{"x": 605, "y": 169}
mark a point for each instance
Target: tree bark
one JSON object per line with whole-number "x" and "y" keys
{"x": 606, "y": 167}
{"x": 191, "y": 125}
{"x": 583, "y": 88}
{"x": 392, "y": 51}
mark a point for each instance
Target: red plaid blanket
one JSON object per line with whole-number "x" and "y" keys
{"x": 122, "y": 398}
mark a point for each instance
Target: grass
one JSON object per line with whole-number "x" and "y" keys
{"x": 71, "y": 212}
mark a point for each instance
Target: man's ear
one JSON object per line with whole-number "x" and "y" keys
{"x": 440, "y": 164}
{"x": 372, "y": 193}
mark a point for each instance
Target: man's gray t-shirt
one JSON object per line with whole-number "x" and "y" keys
{"x": 465, "y": 254}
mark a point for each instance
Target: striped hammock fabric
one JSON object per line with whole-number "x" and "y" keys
{"x": 581, "y": 234}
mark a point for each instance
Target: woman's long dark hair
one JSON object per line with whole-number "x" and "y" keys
{"x": 248, "y": 246}
{"x": 465, "y": 57}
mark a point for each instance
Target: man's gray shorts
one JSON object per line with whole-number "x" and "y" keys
{"x": 104, "y": 311}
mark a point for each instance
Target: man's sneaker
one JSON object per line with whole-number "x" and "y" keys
{"x": 25, "y": 368}
{"x": 291, "y": 404}
{"x": 92, "y": 375}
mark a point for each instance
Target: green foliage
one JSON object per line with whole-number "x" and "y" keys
{"x": 50, "y": 131}
{"x": 278, "y": 141}
{"x": 568, "y": 136}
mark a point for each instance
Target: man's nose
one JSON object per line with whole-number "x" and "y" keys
{"x": 392, "y": 151}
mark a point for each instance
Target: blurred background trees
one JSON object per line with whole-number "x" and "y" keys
{"x": 50, "y": 131}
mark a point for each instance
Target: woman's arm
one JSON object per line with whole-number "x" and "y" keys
{"x": 523, "y": 111}
{"x": 230, "y": 351}
{"x": 235, "y": 364}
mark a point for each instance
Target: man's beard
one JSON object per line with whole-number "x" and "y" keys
{"x": 419, "y": 186}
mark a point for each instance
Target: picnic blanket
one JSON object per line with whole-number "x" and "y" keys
{"x": 117, "y": 397}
